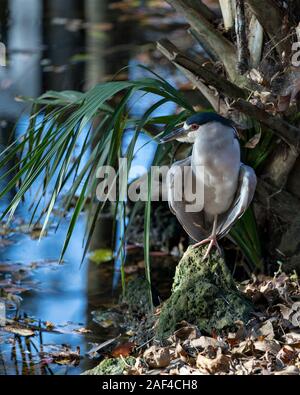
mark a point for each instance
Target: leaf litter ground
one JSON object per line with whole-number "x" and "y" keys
{"x": 269, "y": 344}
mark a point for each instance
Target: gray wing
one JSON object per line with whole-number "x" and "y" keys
{"x": 244, "y": 195}
{"x": 194, "y": 223}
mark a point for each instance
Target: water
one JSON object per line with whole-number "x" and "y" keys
{"x": 61, "y": 296}
{"x": 67, "y": 46}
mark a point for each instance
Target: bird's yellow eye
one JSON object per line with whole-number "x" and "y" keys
{"x": 194, "y": 126}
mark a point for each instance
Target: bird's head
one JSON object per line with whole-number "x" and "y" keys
{"x": 195, "y": 125}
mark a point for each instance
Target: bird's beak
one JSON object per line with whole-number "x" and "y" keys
{"x": 177, "y": 133}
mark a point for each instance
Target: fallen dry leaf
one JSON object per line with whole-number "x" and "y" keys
{"x": 287, "y": 355}
{"x": 187, "y": 331}
{"x": 123, "y": 350}
{"x": 252, "y": 143}
{"x": 245, "y": 347}
{"x": 219, "y": 364}
{"x": 292, "y": 337}
{"x": 289, "y": 371}
{"x": 204, "y": 342}
{"x": 234, "y": 339}
{"x": 82, "y": 330}
{"x": 157, "y": 357}
{"x": 49, "y": 325}
{"x": 267, "y": 346}
{"x": 285, "y": 311}
{"x": 266, "y": 331}
{"x": 61, "y": 355}
{"x": 256, "y": 76}
{"x": 181, "y": 353}
{"x": 23, "y": 332}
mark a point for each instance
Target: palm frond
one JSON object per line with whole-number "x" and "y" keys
{"x": 46, "y": 153}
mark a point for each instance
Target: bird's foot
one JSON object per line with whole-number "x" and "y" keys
{"x": 212, "y": 240}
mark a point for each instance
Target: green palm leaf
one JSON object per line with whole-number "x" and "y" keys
{"x": 45, "y": 152}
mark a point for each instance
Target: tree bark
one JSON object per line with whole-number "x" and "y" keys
{"x": 241, "y": 36}
{"x": 273, "y": 20}
{"x": 210, "y": 36}
{"x": 252, "y": 94}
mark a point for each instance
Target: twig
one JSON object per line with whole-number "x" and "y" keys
{"x": 200, "y": 72}
{"x": 45, "y": 363}
{"x": 145, "y": 344}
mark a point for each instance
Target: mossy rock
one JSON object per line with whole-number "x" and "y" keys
{"x": 204, "y": 294}
{"x": 111, "y": 366}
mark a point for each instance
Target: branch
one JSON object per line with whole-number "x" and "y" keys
{"x": 227, "y": 13}
{"x": 217, "y": 103}
{"x": 287, "y": 132}
{"x": 209, "y": 35}
{"x": 214, "y": 99}
{"x": 169, "y": 50}
{"x": 241, "y": 37}
{"x": 209, "y": 51}
{"x": 201, "y": 8}
{"x": 271, "y": 17}
{"x": 205, "y": 76}
{"x": 256, "y": 38}
{"x": 200, "y": 72}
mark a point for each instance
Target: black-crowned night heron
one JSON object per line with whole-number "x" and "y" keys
{"x": 228, "y": 184}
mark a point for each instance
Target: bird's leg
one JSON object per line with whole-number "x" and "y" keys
{"x": 212, "y": 240}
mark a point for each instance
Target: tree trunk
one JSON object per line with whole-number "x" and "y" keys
{"x": 258, "y": 81}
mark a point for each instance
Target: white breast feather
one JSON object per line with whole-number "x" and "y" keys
{"x": 217, "y": 149}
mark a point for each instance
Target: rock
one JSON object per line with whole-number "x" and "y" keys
{"x": 136, "y": 296}
{"x": 112, "y": 366}
{"x": 203, "y": 294}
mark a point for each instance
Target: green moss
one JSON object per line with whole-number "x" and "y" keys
{"x": 204, "y": 294}
{"x": 137, "y": 296}
{"x": 111, "y": 366}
